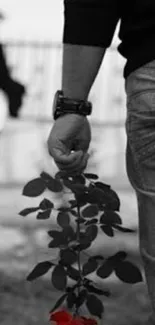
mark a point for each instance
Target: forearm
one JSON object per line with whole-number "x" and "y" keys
{"x": 79, "y": 69}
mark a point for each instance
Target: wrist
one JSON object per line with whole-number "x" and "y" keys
{"x": 71, "y": 117}
{"x": 75, "y": 93}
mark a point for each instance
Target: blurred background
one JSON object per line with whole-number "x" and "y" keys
{"x": 31, "y": 36}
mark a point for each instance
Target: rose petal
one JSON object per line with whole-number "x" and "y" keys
{"x": 61, "y": 317}
{"x": 76, "y": 321}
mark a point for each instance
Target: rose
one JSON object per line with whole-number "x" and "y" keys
{"x": 64, "y": 318}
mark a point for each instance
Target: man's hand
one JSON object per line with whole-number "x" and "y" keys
{"x": 69, "y": 141}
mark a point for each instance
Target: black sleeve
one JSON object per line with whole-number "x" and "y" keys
{"x": 90, "y": 22}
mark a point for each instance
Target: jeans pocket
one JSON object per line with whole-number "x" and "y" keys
{"x": 140, "y": 81}
{"x": 140, "y": 126}
{"x": 138, "y": 93}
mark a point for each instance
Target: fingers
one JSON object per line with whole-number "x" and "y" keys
{"x": 64, "y": 158}
{"x": 70, "y": 165}
{"x": 77, "y": 166}
{"x": 69, "y": 161}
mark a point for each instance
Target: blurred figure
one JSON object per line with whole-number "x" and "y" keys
{"x": 12, "y": 88}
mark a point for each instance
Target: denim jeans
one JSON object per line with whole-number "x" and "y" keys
{"x": 140, "y": 163}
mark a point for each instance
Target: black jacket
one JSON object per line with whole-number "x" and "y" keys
{"x": 93, "y": 22}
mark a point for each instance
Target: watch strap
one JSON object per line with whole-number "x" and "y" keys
{"x": 66, "y": 105}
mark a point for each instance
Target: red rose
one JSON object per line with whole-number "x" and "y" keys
{"x": 61, "y": 317}
{"x": 64, "y": 318}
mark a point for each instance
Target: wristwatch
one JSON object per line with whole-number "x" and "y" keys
{"x": 63, "y": 105}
